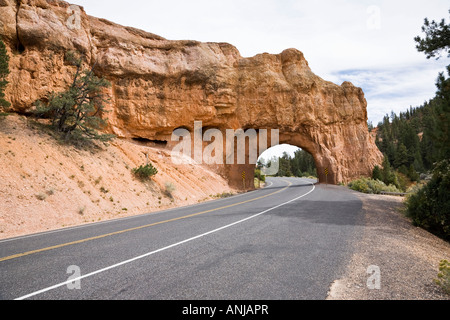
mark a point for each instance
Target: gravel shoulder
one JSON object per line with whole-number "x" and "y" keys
{"x": 408, "y": 257}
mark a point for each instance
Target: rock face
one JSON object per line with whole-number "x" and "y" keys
{"x": 160, "y": 85}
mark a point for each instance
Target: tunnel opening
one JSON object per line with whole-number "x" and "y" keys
{"x": 243, "y": 158}
{"x": 286, "y": 161}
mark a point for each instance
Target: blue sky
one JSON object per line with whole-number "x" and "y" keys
{"x": 369, "y": 43}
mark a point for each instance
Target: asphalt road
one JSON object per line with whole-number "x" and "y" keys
{"x": 289, "y": 241}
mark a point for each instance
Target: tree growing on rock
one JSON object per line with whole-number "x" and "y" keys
{"x": 77, "y": 112}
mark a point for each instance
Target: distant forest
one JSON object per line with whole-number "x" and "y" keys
{"x": 301, "y": 165}
{"x": 415, "y": 140}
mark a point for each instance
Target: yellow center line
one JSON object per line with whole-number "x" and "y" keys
{"x": 19, "y": 255}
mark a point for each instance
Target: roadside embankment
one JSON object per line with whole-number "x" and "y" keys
{"x": 407, "y": 257}
{"x": 46, "y": 185}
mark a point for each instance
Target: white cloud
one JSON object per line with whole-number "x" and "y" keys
{"x": 394, "y": 88}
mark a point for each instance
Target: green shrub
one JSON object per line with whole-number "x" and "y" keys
{"x": 416, "y": 187}
{"x": 223, "y": 195}
{"x": 359, "y": 185}
{"x": 389, "y": 176}
{"x": 376, "y": 186}
{"x": 145, "y": 172}
{"x": 412, "y": 174}
{"x": 377, "y": 173}
{"x": 371, "y": 186}
{"x": 443, "y": 279}
{"x": 402, "y": 182}
{"x": 429, "y": 207}
{"x": 259, "y": 175}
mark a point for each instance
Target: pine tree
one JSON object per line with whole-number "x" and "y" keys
{"x": 441, "y": 133}
{"x": 401, "y": 156}
{"x": 437, "y": 39}
{"x": 4, "y": 72}
{"x": 285, "y": 166}
{"x": 377, "y": 173}
{"x": 412, "y": 174}
{"x": 388, "y": 174}
{"x": 77, "y": 112}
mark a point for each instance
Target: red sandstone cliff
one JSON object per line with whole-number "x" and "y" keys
{"x": 159, "y": 85}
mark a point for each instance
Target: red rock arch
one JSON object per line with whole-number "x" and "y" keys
{"x": 159, "y": 85}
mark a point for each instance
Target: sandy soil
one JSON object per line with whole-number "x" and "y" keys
{"x": 45, "y": 185}
{"x": 407, "y": 257}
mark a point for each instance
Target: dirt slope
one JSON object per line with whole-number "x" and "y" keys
{"x": 46, "y": 185}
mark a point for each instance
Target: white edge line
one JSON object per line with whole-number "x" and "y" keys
{"x": 160, "y": 250}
